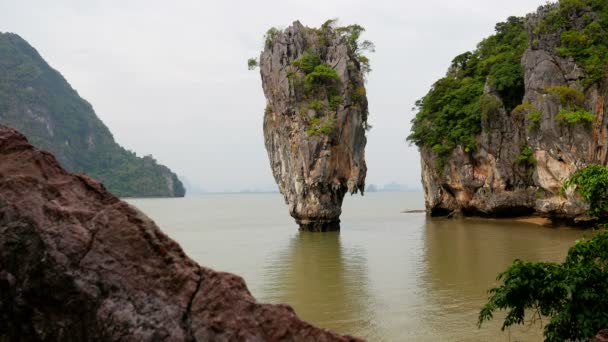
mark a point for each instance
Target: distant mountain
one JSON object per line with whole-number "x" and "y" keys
{"x": 36, "y": 100}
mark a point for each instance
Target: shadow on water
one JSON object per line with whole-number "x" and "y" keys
{"x": 323, "y": 280}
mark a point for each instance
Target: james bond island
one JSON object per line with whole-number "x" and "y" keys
{"x": 316, "y": 117}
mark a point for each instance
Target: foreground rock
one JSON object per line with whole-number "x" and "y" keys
{"x": 78, "y": 264}
{"x": 315, "y": 120}
{"x": 498, "y": 179}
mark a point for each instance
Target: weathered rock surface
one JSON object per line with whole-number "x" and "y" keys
{"x": 314, "y": 170}
{"x": 490, "y": 181}
{"x": 78, "y": 264}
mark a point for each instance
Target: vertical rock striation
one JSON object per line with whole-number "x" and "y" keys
{"x": 315, "y": 119}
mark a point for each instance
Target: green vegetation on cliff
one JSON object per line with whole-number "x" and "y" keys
{"x": 36, "y": 100}
{"x": 591, "y": 183}
{"x": 450, "y": 114}
{"x": 315, "y": 84}
{"x": 571, "y": 294}
{"x": 584, "y": 39}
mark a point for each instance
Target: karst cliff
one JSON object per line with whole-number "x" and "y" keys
{"x": 514, "y": 119}
{"x": 79, "y": 264}
{"x": 316, "y": 118}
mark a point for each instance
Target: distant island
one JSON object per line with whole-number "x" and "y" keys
{"x": 40, "y": 103}
{"x": 392, "y": 187}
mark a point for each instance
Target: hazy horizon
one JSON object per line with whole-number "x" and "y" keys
{"x": 170, "y": 79}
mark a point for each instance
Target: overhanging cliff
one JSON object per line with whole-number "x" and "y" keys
{"x": 514, "y": 119}
{"x": 316, "y": 118}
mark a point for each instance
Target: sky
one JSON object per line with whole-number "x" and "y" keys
{"x": 169, "y": 78}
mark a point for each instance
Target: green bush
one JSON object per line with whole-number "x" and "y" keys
{"x": 528, "y": 111}
{"x": 571, "y": 117}
{"x": 592, "y": 184}
{"x": 271, "y": 35}
{"x": 526, "y": 157}
{"x": 571, "y": 294}
{"x": 572, "y": 102}
{"x": 489, "y": 105}
{"x": 307, "y": 62}
{"x": 316, "y": 105}
{"x": 568, "y": 97}
{"x": 252, "y": 63}
{"x": 534, "y": 120}
{"x": 522, "y": 110}
{"x": 359, "y": 94}
{"x": 334, "y": 102}
{"x": 318, "y": 126}
{"x": 322, "y": 74}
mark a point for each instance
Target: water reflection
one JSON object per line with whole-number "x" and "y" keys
{"x": 325, "y": 281}
{"x": 461, "y": 261}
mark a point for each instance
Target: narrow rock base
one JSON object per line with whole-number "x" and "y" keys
{"x": 319, "y": 225}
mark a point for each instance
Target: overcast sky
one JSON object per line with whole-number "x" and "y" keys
{"x": 169, "y": 78}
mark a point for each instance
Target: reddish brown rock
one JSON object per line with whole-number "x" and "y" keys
{"x": 78, "y": 264}
{"x": 601, "y": 336}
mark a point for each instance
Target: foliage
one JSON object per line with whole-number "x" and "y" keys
{"x": 307, "y": 62}
{"x": 489, "y": 105}
{"x": 316, "y": 105}
{"x": 334, "y": 102}
{"x": 573, "y": 117}
{"x": 572, "y": 103}
{"x": 252, "y": 63}
{"x": 526, "y": 157}
{"x": 583, "y": 25}
{"x": 352, "y": 35}
{"x": 528, "y": 111}
{"x": 318, "y": 126}
{"x": 569, "y": 97}
{"x": 322, "y": 81}
{"x": 67, "y": 126}
{"x": 534, "y": 119}
{"x": 271, "y": 35}
{"x": 572, "y": 294}
{"x": 450, "y": 114}
{"x": 592, "y": 184}
{"x": 316, "y": 85}
{"x": 359, "y": 94}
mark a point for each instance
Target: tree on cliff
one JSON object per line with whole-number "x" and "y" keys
{"x": 572, "y": 294}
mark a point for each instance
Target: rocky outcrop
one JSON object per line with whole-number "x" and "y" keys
{"x": 78, "y": 264}
{"x": 315, "y": 121}
{"x": 493, "y": 181}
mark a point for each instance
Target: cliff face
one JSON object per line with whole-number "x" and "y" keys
{"x": 525, "y": 153}
{"x": 315, "y": 120}
{"x": 78, "y": 264}
{"x": 39, "y": 102}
